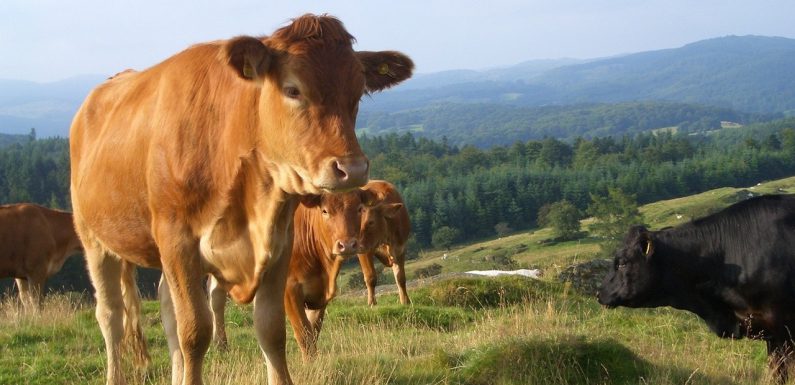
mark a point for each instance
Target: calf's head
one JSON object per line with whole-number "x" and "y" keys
{"x": 376, "y": 217}
{"x": 340, "y": 216}
{"x": 633, "y": 278}
{"x": 310, "y": 82}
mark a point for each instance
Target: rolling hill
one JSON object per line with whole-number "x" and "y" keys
{"x": 728, "y": 78}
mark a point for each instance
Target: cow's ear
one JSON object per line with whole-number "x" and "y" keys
{"x": 310, "y": 201}
{"x": 647, "y": 245}
{"x": 368, "y": 197}
{"x": 391, "y": 209}
{"x": 249, "y": 57}
{"x": 384, "y": 69}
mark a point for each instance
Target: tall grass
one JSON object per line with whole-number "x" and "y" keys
{"x": 548, "y": 336}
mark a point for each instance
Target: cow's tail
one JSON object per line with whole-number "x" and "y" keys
{"x": 133, "y": 340}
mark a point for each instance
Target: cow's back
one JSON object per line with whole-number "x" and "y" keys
{"x": 399, "y": 226}
{"x": 26, "y": 238}
{"x": 137, "y": 127}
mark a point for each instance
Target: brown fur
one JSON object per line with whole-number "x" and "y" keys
{"x": 195, "y": 165}
{"x": 384, "y": 233}
{"x": 36, "y": 243}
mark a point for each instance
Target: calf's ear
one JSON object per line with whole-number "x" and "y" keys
{"x": 384, "y": 69}
{"x": 248, "y": 57}
{"x": 391, "y": 209}
{"x": 310, "y": 201}
{"x": 368, "y": 197}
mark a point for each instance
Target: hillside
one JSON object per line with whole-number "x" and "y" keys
{"x": 745, "y": 73}
{"x": 488, "y": 125}
{"x": 532, "y": 249}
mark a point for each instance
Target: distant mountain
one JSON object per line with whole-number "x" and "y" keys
{"x": 47, "y": 107}
{"x": 745, "y": 73}
{"x": 741, "y": 74}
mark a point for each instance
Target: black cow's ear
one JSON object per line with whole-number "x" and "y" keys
{"x": 647, "y": 245}
{"x": 384, "y": 69}
{"x": 249, "y": 57}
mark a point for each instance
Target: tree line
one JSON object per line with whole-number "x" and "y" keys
{"x": 457, "y": 194}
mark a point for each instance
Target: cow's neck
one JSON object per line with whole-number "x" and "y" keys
{"x": 316, "y": 249}
{"x": 254, "y": 229}
{"x": 688, "y": 253}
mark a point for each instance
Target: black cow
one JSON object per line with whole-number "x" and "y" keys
{"x": 735, "y": 269}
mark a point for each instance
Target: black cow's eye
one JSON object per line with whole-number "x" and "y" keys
{"x": 621, "y": 264}
{"x": 292, "y": 92}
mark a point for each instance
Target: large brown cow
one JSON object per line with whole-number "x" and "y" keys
{"x": 196, "y": 165}
{"x": 326, "y": 231}
{"x": 384, "y": 233}
{"x": 36, "y": 241}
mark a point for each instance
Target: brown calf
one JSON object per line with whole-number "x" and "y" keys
{"x": 196, "y": 165}
{"x": 384, "y": 233}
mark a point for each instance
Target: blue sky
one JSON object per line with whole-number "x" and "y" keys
{"x": 46, "y": 40}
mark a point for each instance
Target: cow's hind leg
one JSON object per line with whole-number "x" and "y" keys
{"x": 169, "y": 319}
{"x": 315, "y": 318}
{"x": 217, "y": 297}
{"x": 105, "y": 272}
{"x": 370, "y": 277}
{"x": 24, "y": 293}
{"x": 399, "y": 271}
{"x": 269, "y": 319}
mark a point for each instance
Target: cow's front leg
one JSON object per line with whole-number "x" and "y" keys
{"x": 183, "y": 274}
{"x": 269, "y": 318}
{"x": 302, "y": 328}
{"x": 779, "y": 357}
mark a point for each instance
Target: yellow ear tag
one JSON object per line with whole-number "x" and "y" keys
{"x": 383, "y": 69}
{"x": 248, "y": 71}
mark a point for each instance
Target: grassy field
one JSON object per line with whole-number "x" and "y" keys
{"x": 458, "y": 331}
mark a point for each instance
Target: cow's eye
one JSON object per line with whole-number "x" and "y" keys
{"x": 621, "y": 264}
{"x": 292, "y": 92}
{"x": 324, "y": 212}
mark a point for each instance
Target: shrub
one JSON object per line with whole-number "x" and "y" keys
{"x": 428, "y": 271}
{"x": 480, "y": 293}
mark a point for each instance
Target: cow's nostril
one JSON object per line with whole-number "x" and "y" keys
{"x": 339, "y": 171}
{"x": 340, "y": 246}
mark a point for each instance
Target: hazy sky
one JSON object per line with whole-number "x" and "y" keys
{"x": 45, "y": 40}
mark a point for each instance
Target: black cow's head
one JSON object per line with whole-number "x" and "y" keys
{"x": 633, "y": 280}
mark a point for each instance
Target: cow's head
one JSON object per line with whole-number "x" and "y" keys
{"x": 375, "y": 219}
{"x": 341, "y": 215}
{"x": 633, "y": 280}
{"x": 311, "y": 81}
